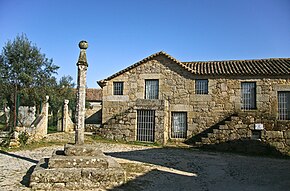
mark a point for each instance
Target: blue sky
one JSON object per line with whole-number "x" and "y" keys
{"x": 122, "y": 32}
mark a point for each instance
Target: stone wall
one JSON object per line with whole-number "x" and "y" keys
{"x": 26, "y": 115}
{"x": 239, "y": 129}
{"x": 177, "y": 88}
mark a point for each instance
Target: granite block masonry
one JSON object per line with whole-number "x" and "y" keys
{"x": 225, "y": 92}
{"x": 78, "y": 166}
{"x": 82, "y": 65}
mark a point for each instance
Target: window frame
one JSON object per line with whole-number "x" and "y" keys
{"x": 248, "y": 96}
{"x": 145, "y": 131}
{"x": 153, "y": 94}
{"x": 118, "y": 88}
{"x": 283, "y": 107}
{"x": 182, "y": 134}
{"x": 201, "y": 86}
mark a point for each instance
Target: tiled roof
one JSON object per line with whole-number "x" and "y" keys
{"x": 101, "y": 82}
{"x": 261, "y": 67}
{"x": 93, "y": 94}
{"x": 271, "y": 66}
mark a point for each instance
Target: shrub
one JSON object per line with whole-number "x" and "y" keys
{"x": 23, "y": 138}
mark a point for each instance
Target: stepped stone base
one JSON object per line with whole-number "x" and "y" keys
{"x": 78, "y": 167}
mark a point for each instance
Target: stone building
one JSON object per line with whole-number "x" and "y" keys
{"x": 160, "y": 98}
{"x": 93, "y": 115}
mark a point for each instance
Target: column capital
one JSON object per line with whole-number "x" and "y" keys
{"x": 83, "y": 45}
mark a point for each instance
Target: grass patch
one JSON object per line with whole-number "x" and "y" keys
{"x": 31, "y": 146}
{"x": 89, "y": 139}
{"x": 100, "y": 139}
{"x": 52, "y": 129}
{"x": 2, "y": 126}
{"x": 133, "y": 168}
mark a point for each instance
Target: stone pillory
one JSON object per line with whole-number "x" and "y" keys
{"x": 81, "y": 93}
{"x": 78, "y": 166}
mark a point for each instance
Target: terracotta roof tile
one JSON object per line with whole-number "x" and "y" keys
{"x": 271, "y": 66}
{"x": 262, "y": 67}
{"x": 93, "y": 94}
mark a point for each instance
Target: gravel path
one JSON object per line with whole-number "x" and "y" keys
{"x": 165, "y": 169}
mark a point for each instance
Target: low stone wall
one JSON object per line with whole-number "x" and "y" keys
{"x": 278, "y": 139}
{"x": 240, "y": 134}
{"x": 26, "y": 115}
{"x": 92, "y": 127}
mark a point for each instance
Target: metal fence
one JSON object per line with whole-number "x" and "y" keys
{"x": 145, "y": 125}
{"x": 248, "y": 93}
{"x": 284, "y": 105}
{"x": 179, "y": 125}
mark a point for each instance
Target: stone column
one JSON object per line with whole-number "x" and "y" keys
{"x": 65, "y": 116}
{"x": 82, "y": 65}
{"x": 45, "y": 112}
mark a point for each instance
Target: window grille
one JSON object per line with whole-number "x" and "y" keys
{"x": 151, "y": 89}
{"x": 118, "y": 88}
{"x": 201, "y": 86}
{"x": 179, "y": 125}
{"x": 248, "y": 93}
{"x": 145, "y": 125}
{"x": 284, "y": 105}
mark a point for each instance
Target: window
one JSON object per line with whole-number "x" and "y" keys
{"x": 151, "y": 89}
{"x": 118, "y": 88}
{"x": 179, "y": 125}
{"x": 284, "y": 105}
{"x": 201, "y": 86}
{"x": 145, "y": 125}
{"x": 248, "y": 94}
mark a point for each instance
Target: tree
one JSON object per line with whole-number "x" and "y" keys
{"x": 63, "y": 90}
{"x": 24, "y": 71}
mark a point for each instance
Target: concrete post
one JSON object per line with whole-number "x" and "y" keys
{"x": 81, "y": 93}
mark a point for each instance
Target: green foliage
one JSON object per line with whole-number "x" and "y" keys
{"x": 61, "y": 91}
{"x": 24, "y": 71}
{"x": 23, "y": 138}
{"x": 2, "y": 126}
{"x": 52, "y": 129}
{"x": 6, "y": 141}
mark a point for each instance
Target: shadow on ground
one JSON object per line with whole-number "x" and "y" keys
{"x": 248, "y": 147}
{"x": 26, "y": 178}
{"x": 18, "y": 156}
{"x": 189, "y": 169}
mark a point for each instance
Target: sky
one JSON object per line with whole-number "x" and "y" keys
{"x": 123, "y": 32}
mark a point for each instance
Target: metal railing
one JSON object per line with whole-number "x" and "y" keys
{"x": 145, "y": 125}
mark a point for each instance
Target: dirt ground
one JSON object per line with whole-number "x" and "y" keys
{"x": 154, "y": 168}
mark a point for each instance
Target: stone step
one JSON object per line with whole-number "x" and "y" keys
{"x": 210, "y": 135}
{"x": 215, "y": 131}
{"x": 82, "y": 150}
{"x": 205, "y": 140}
{"x": 44, "y": 178}
{"x": 235, "y": 118}
{"x": 77, "y": 162}
{"x": 223, "y": 127}
{"x": 198, "y": 144}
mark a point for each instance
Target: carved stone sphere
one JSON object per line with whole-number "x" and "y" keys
{"x": 83, "y": 44}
